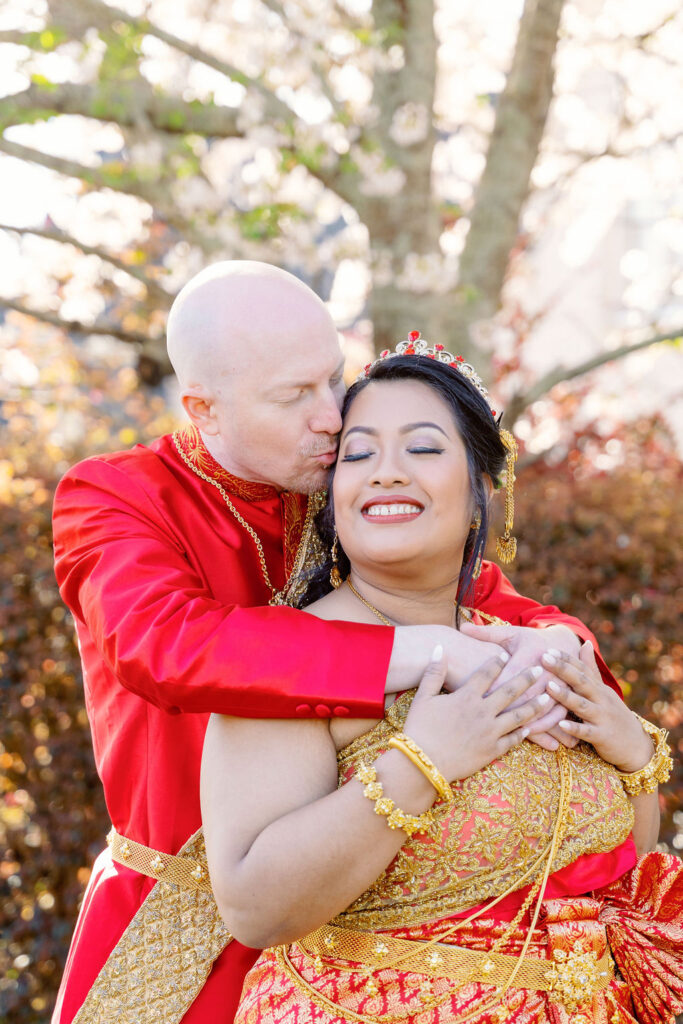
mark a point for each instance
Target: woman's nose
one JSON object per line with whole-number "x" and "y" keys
{"x": 388, "y": 471}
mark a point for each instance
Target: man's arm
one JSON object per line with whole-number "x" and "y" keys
{"x": 123, "y": 572}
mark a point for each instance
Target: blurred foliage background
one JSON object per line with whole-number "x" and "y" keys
{"x": 503, "y": 176}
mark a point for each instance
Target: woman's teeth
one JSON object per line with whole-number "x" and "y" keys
{"x": 392, "y": 510}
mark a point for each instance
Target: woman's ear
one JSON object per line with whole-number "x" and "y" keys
{"x": 199, "y": 406}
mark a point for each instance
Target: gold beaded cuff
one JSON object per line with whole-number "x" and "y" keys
{"x": 417, "y": 756}
{"x": 396, "y": 818}
{"x": 657, "y": 770}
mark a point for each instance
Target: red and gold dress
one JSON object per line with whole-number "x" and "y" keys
{"x": 457, "y": 927}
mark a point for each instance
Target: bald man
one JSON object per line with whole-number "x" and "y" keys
{"x": 177, "y": 561}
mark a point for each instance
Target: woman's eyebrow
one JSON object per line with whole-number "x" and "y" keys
{"x": 404, "y": 430}
{"x": 423, "y": 423}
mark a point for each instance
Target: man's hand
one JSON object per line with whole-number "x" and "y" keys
{"x": 413, "y": 646}
{"x": 526, "y": 647}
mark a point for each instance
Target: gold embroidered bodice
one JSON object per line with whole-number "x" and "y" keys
{"x": 490, "y": 838}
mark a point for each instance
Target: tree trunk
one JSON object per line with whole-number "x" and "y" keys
{"x": 504, "y": 186}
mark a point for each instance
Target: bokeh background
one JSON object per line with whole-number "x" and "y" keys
{"x": 506, "y": 177}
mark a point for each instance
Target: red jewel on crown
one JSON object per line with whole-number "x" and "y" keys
{"x": 415, "y": 345}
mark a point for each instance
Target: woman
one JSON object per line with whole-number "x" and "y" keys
{"x": 451, "y": 858}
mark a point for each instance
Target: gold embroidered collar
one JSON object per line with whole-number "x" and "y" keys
{"x": 190, "y": 444}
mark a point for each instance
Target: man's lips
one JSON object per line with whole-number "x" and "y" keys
{"x": 391, "y": 508}
{"x": 326, "y": 457}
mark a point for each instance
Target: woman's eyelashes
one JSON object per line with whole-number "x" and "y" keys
{"x": 413, "y": 450}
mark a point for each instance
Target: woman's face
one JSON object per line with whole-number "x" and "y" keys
{"x": 401, "y": 488}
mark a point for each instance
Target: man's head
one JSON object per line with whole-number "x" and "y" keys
{"x": 260, "y": 370}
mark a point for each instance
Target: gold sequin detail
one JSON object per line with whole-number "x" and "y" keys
{"x": 484, "y": 843}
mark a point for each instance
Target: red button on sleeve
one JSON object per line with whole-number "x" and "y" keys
{"x": 303, "y": 709}
{"x": 322, "y": 711}
{"x": 340, "y": 710}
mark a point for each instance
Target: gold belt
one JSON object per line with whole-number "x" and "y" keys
{"x": 183, "y": 871}
{"x": 570, "y": 978}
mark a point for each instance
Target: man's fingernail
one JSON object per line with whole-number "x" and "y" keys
{"x": 543, "y": 699}
{"x": 552, "y": 685}
{"x": 554, "y": 651}
{"x": 437, "y": 653}
{"x": 549, "y": 659}
{"x": 504, "y": 656}
{"x": 536, "y": 671}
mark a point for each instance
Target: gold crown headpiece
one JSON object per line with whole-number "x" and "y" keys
{"x": 415, "y": 345}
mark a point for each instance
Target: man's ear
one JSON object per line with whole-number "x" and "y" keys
{"x": 200, "y": 407}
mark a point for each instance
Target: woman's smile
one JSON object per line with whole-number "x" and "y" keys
{"x": 391, "y": 508}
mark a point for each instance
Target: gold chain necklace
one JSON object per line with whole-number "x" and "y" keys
{"x": 493, "y": 619}
{"x": 278, "y": 596}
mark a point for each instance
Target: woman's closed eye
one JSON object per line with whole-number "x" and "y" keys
{"x": 416, "y": 449}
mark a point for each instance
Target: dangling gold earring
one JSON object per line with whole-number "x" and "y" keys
{"x": 335, "y": 575}
{"x": 506, "y": 546}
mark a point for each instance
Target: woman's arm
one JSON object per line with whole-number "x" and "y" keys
{"x": 287, "y": 850}
{"x": 606, "y": 723}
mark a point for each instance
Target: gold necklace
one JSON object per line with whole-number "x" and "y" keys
{"x": 493, "y": 619}
{"x": 277, "y": 596}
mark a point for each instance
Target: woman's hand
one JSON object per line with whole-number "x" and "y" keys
{"x": 606, "y": 722}
{"x": 464, "y": 731}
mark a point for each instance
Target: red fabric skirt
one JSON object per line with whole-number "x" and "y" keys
{"x": 639, "y": 916}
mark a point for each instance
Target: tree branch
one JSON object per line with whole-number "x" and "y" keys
{"x": 275, "y": 107}
{"x": 154, "y": 290}
{"x": 126, "y": 182}
{"x": 521, "y": 401}
{"x": 75, "y": 326}
{"x": 103, "y": 101}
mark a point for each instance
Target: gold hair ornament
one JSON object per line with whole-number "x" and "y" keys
{"x": 506, "y": 546}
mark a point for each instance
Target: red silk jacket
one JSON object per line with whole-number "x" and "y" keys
{"x": 170, "y": 608}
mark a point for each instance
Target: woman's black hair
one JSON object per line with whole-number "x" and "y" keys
{"x": 480, "y": 434}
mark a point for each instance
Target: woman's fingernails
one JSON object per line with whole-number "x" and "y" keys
{"x": 525, "y": 733}
{"x": 549, "y": 658}
{"x": 437, "y": 653}
{"x": 552, "y": 685}
{"x": 565, "y": 724}
{"x": 554, "y": 651}
{"x": 543, "y": 699}
{"x": 504, "y": 656}
{"x": 536, "y": 671}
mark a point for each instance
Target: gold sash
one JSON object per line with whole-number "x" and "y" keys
{"x": 160, "y": 963}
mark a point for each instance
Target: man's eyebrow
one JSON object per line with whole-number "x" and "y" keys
{"x": 288, "y": 385}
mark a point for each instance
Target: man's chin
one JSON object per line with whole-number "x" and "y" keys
{"x": 309, "y": 483}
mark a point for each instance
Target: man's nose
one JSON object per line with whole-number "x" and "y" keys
{"x": 326, "y": 419}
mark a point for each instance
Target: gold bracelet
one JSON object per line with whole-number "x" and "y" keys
{"x": 417, "y": 756}
{"x": 657, "y": 770}
{"x": 396, "y": 818}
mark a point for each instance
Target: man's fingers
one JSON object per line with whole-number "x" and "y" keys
{"x": 504, "y": 696}
{"x": 493, "y": 634}
{"x": 562, "y": 736}
{"x": 433, "y": 679}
